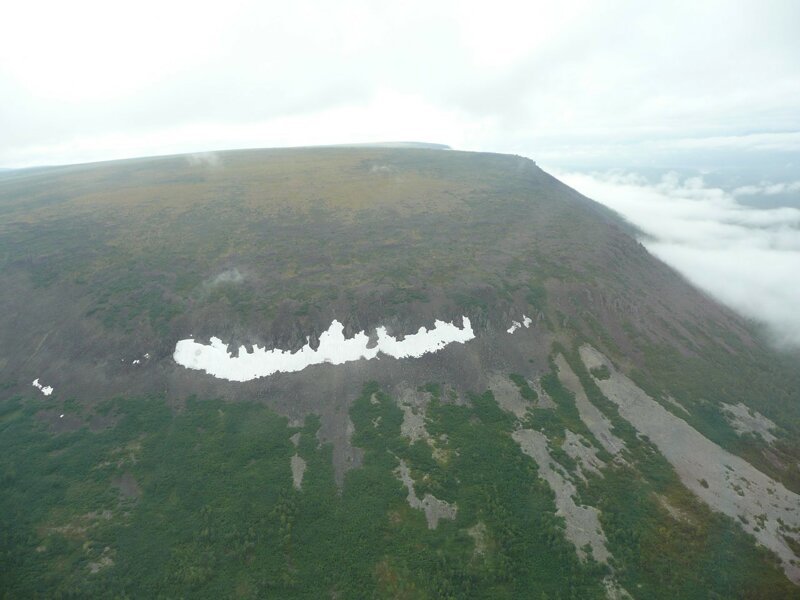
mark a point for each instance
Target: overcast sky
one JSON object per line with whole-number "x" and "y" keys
{"x": 566, "y": 82}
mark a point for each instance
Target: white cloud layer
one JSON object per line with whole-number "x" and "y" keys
{"x": 749, "y": 258}
{"x": 768, "y": 189}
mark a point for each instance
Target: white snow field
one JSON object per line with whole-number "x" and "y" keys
{"x": 334, "y": 348}
{"x": 45, "y": 389}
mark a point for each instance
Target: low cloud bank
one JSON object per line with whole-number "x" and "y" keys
{"x": 749, "y": 258}
{"x": 768, "y": 189}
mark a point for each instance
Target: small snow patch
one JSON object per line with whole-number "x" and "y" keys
{"x": 526, "y": 322}
{"x": 45, "y": 389}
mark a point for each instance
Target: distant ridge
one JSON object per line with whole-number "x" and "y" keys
{"x": 424, "y": 145}
{"x": 398, "y": 145}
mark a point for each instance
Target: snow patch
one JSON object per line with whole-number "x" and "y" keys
{"x": 45, "y": 389}
{"x": 334, "y": 348}
{"x": 138, "y": 361}
{"x": 526, "y": 322}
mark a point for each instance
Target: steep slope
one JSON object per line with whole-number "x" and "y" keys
{"x": 116, "y": 277}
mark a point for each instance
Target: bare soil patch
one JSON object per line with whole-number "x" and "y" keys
{"x": 507, "y": 395}
{"x": 583, "y": 523}
{"x": 724, "y": 481}
{"x": 433, "y": 508}
{"x": 595, "y": 420}
{"x": 128, "y": 487}
{"x": 298, "y": 470}
{"x": 746, "y": 420}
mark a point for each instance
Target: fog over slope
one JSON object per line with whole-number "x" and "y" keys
{"x": 746, "y": 256}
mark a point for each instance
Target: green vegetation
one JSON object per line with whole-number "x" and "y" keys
{"x": 213, "y": 513}
{"x": 201, "y": 502}
{"x": 524, "y": 389}
{"x": 655, "y": 553}
{"x": 144, "y": 240}
{"x": 601, "y": 372}
{"x": 701, "y": 383}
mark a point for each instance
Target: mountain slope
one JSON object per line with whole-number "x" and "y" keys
{"x": 107, "y": 267}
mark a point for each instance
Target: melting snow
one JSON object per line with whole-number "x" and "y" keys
{"x": 45, "y": 389}
{"x": 138, "y": 361}
{"x": 334, "y": 348}
{"x": 526, "y": 322}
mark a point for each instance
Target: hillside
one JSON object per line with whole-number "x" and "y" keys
{"x": 575, "y": 420}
